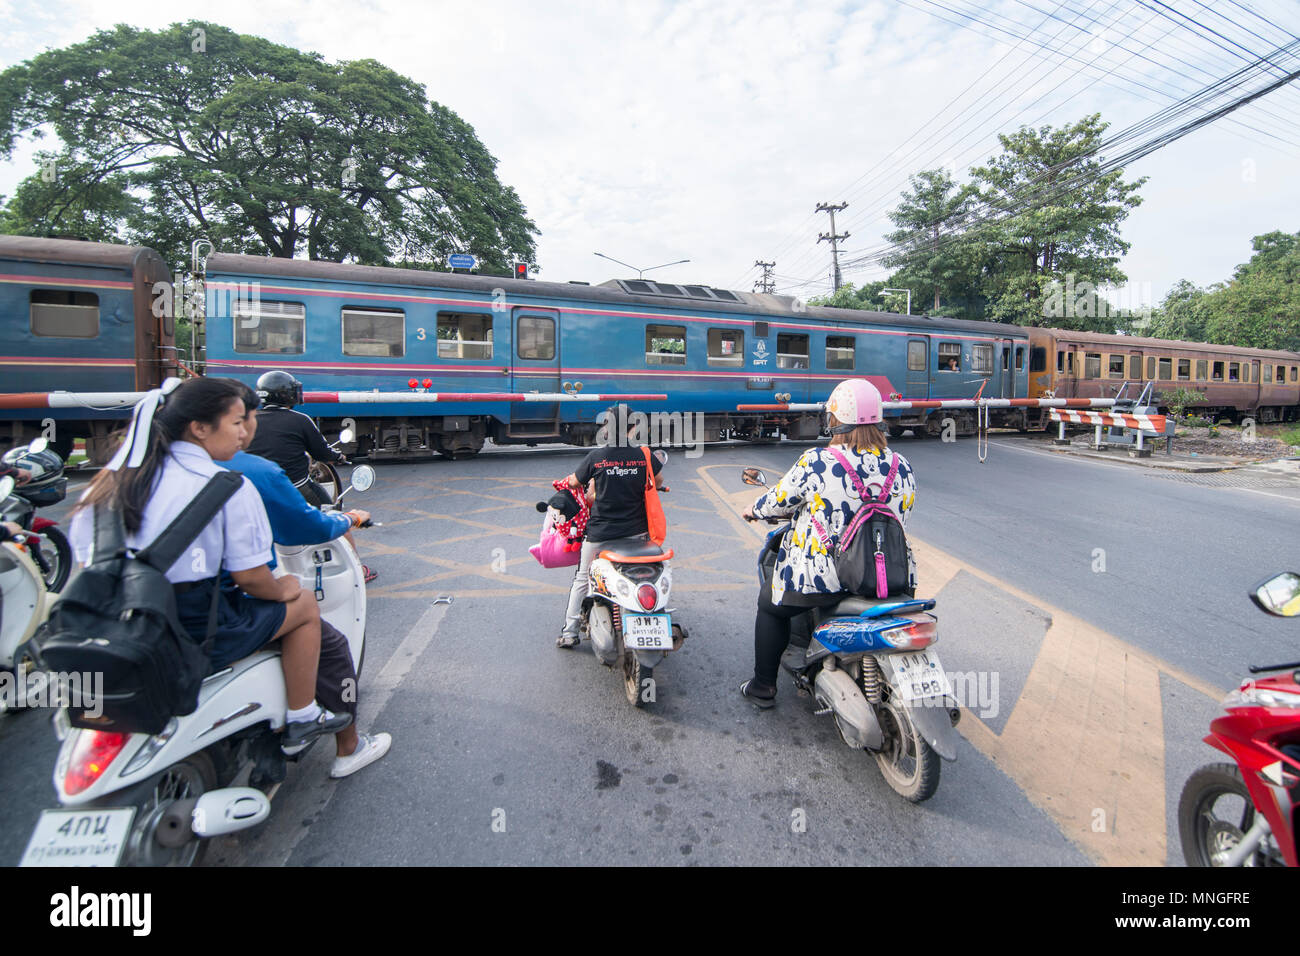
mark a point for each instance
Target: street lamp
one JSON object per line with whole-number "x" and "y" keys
{"x": 642, "y": 272}
{"x": 900, "y": 292}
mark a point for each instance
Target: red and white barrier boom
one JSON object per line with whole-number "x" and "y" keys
{"x": 107, "y": 401}
{"x": 1144, "y": 425}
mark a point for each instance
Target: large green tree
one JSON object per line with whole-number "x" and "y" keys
{"x": 933, "y": 258}
{"x": 198, "y": 130}
{"x": 1050, "y": 221}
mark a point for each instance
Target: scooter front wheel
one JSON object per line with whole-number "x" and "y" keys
{"x": 1214, "y": 813}
{"x": 906, "y": 761}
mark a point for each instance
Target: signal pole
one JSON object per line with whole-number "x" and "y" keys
{"x": 833, "y": 238}
{"x": 768, "y": 282}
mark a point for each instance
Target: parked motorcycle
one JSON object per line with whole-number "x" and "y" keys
{"x": 154, "y": 800}
{"x": 871, "y": 665}
{"x": 24, "y": 605}
{"x": 1243, "y": 813}
{"x": 48, "y": 486}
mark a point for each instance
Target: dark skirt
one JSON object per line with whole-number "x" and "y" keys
{"x": 244, "y": 624}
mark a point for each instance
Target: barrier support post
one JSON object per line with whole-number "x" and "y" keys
{"x": 1096, "y": 440}
{"x": 1060, "y": 438}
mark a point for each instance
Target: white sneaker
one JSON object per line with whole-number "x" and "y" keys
{"x": 370, "y": 747}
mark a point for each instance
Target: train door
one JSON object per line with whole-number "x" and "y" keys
{"x": 918, "y": 368}
{"x": 535, "y": 367}
{"x": 1007, "y": 347}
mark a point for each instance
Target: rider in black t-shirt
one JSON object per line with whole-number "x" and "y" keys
{"x": 618, "y": 472}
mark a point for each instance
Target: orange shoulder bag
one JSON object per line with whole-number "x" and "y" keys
{"x": 656, "y": 523}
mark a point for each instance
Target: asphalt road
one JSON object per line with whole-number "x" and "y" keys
{"x": 508, "y": 750}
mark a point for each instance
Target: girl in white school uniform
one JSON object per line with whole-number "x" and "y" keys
{"x": 165, "y": 461}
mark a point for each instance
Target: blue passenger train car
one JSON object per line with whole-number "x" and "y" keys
{"x": 340, "y": 327}
{"x": 79, "y": 316}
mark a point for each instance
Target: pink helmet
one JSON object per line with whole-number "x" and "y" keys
{"x": 854, "y": 402}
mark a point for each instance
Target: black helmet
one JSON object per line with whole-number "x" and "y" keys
{"x": 279, "y": 388}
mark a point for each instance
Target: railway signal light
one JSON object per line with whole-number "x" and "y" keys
{"x": 521, "y": 270}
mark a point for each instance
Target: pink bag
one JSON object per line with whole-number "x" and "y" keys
{"x": 555, "y": 550}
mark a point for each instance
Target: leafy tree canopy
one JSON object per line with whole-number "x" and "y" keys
{"x": 196, "y": 130}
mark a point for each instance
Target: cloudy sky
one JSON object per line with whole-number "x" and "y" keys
{"x": 656, "y": 131}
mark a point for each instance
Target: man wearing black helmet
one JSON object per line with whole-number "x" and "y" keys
{"x": 291, "y": 439}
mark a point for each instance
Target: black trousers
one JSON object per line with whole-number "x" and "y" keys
{"x": 314, "y": 493}
{"x": 772, "y": 629}
{"x": 336, "y": 678}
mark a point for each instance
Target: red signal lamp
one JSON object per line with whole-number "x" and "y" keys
{"x": 428, "y": 383}
{"x": 521, "y": 270}
{"x": 412, "y": 383}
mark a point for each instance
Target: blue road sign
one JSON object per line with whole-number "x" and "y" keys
{"x": 460, "y": 261}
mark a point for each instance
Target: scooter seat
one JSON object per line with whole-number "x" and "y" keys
{"x": 632, "y": 548}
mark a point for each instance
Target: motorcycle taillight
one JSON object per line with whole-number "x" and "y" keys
{"x": 647, "y": 595}
{"x": 91, "y": 755}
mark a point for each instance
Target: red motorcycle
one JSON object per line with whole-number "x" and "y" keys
{"x": 1244, "y": 814}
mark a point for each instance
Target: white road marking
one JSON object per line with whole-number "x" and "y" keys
{"x": 312, "y": 788}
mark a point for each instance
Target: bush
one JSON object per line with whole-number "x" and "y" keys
{"x": 1177, "y": 399}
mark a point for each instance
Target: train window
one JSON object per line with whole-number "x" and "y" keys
{"x": 1216, "y": 372}
{"x": 1166, "y": 369}
{"x": 1038, "y": 359}
{"x": 839, "y": 352}
{"x": 1151, "y": 368}
{"x": 916, "y": 356}
{"x": 981, "y": 359}
{"x": 1115, "y": 366}
{"x": 1069, "y": 363}
{"x": 464, "y": 335}
{"x": 1268, "y": 373}
{"x": 665, "y": 345}
{"x": 1200, "y": 370}
{"x": 536, "y": 337}
{"x": 948, "y": 357}
{"x": 791, "y": 351}
{"x": 1060, "y": 360}
{"x": 64, "y": 314}
{"x": 1006, "y": 360}
{"x": 1092, "y": 365}
{"x": 270, "y": 327}
{"x": 726, "y": 347}
{"x": 1135, "y": 367}
{"x": 1281, "y": 373}
{"x": 1293, "y": 373}
{"x": 1184, "y": 370}
{"x": 1234, "y": 371}
{"x": 1020, "y": 358}
{"x": 374, "y": 333}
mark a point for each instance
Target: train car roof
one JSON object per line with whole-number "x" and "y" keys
{"x": 613, "y": 291}
{"x": 1137, "y": 341}
{"x": 33, "y": 249}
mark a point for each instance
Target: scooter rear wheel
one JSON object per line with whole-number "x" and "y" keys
{"x": 57, "y": 558}
{"x": 907, "y": 762}
{"x": 1214, "y": 814}
{"x": 187, "y": 780}
{"x": 635, "y": 677}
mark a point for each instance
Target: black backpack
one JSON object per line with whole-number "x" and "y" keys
{"x": 118, "y": 618}
{"x": 871, "y": 557}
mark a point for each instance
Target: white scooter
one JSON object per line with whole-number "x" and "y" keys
{"x": 142, "y": 800}
{"x": 626, "y": 613}
{"x": 24, "y": 606}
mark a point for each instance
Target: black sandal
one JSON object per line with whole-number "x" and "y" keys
{"x": 754, "y": 693}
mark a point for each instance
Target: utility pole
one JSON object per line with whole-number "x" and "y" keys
{"x": 833, "y": 238}
{"x": 768, "y": 282}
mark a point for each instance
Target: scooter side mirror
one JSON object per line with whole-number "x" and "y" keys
{"x": 1279, "y": 595}
{"x": 6, "y": 486}
{"x": 346, "y": 436}
{"x": 363, "y": 476}
{"x": 753, "y": 476}
{"x": 38, "y": 445}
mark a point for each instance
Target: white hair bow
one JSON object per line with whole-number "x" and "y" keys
{"x": 133, "y": 448}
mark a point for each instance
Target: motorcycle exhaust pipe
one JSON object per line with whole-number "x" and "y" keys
{"x": 219, "y": 812}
